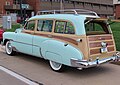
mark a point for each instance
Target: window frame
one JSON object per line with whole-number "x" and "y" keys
{"x": 65, "y": 28}
{"x": 105, "y": 29}
{"x": 45, "y": 31}
{"x": 27, "y": 24}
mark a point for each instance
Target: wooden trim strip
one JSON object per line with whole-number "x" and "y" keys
{"x": 66, "y": 39}
{"x": 99, "y": 54}
{"x": 28, "y": 32}
{"x": 63, "y": 38}
{"x": 98, "y": 44}
{"x": 44, "y": 35}
{"x": 97, "y": 51}
{"x": 100, "y": 47}
{"x": 100, "y": 41}
{"x": 96, "y": 38}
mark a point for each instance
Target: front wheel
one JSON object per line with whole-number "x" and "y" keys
{"x": 9, "y": 48}
{"x": 56, "y": 66}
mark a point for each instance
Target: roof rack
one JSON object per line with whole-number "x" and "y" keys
{"x": 68, "y": 11}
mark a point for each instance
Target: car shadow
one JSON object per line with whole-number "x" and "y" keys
{"x": 88, "y": 72}
{"x": 30, "y": 58}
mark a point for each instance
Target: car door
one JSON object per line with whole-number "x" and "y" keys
{"x": 62, "y": 45}
{"x": 42, "y": 34}
{"x": 24, "y": 39}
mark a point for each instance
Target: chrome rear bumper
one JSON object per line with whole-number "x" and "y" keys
{"x": 97, "y": 62}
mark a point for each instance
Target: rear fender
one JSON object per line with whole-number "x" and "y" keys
{"x": 59, "y": 52}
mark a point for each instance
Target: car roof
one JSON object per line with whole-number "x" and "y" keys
{"x": 76, "y": 19}
{"x": 69, "y": 17}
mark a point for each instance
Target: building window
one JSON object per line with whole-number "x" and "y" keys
{"x": 16, "y": 2}
{"x": 46, "y": 0}
{"x": 7, "y": 12}
{"x": 7, "y": 3}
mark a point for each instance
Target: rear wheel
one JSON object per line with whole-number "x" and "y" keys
{"x": 56, "y": 66}
{"x": 9, "y": 49}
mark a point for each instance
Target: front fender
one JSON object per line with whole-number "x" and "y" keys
{"x": 8, "y": 36}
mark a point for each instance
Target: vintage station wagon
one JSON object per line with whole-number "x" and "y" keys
{"x": 76, "y": 38}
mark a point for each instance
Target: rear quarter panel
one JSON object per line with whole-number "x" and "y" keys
{"x": 56, "y": 51}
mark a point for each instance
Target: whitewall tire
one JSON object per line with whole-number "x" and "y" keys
{"x": 9, "y": 48}
{"x": 56, "y": 66}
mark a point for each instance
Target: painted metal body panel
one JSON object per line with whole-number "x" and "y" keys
{"x": 9, "y": 35}
{"x": 37, "y": 44}
{"x": 57, "y": 51}
{"x": 23, "y": 42}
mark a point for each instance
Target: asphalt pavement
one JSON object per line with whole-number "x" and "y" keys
{"x": 6, "y": 79}
{"x": 38, "y": 70}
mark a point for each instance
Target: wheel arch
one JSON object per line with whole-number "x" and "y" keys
{"x": 5, "y": 41}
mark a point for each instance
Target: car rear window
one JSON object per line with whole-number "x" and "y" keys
{"x": 94, "y": 27}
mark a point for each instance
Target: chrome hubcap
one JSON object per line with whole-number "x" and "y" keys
{"x": 8, "y": 47}
{"x": 56, "y": 66}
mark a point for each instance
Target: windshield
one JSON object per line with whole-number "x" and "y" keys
{"x": 96, "y": 27}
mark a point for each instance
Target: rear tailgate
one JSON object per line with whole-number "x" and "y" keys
{"x": 95, "y": 46}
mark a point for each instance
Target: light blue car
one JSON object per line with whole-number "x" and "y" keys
{"x": 76, "y": 38}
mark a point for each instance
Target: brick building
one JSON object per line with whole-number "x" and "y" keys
{"x": 13, "y": 6}
{"x": 2, "y": 5}
{"x": 102, "y": 7}
{"x": 117, "y": 8}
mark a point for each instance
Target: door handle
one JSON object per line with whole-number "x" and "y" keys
{"x": 79, "y": 40}
{"x": 66, "y": 44}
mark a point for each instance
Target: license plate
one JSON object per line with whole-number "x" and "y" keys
{"x": 104, "y": 50}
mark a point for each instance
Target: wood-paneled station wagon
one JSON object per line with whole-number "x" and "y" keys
{"x": 76, "y": 38}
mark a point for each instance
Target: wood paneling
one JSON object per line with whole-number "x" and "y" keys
{"x": 62, "y": 38}
{"x": 97, "y": 51}
{"x": 98, "y": 44}
{"x": 96, "y": 38}
{"x": 94, "y": 42}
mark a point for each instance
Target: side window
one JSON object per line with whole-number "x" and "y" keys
{"x": 64, "y": 27}
{"x": 69, "y": 28}
{"x": 60, "y": 26}
{"x": 30, "y": 25}
{"x": 45, "y": 25}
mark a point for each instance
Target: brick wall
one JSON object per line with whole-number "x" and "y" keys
{"x": 38, "y": 5}
{"x": 2, "y": 4}
{"x": 108, "y": 2}
{"x": 117, "y": 10}
{"x": 35, "y": 4}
